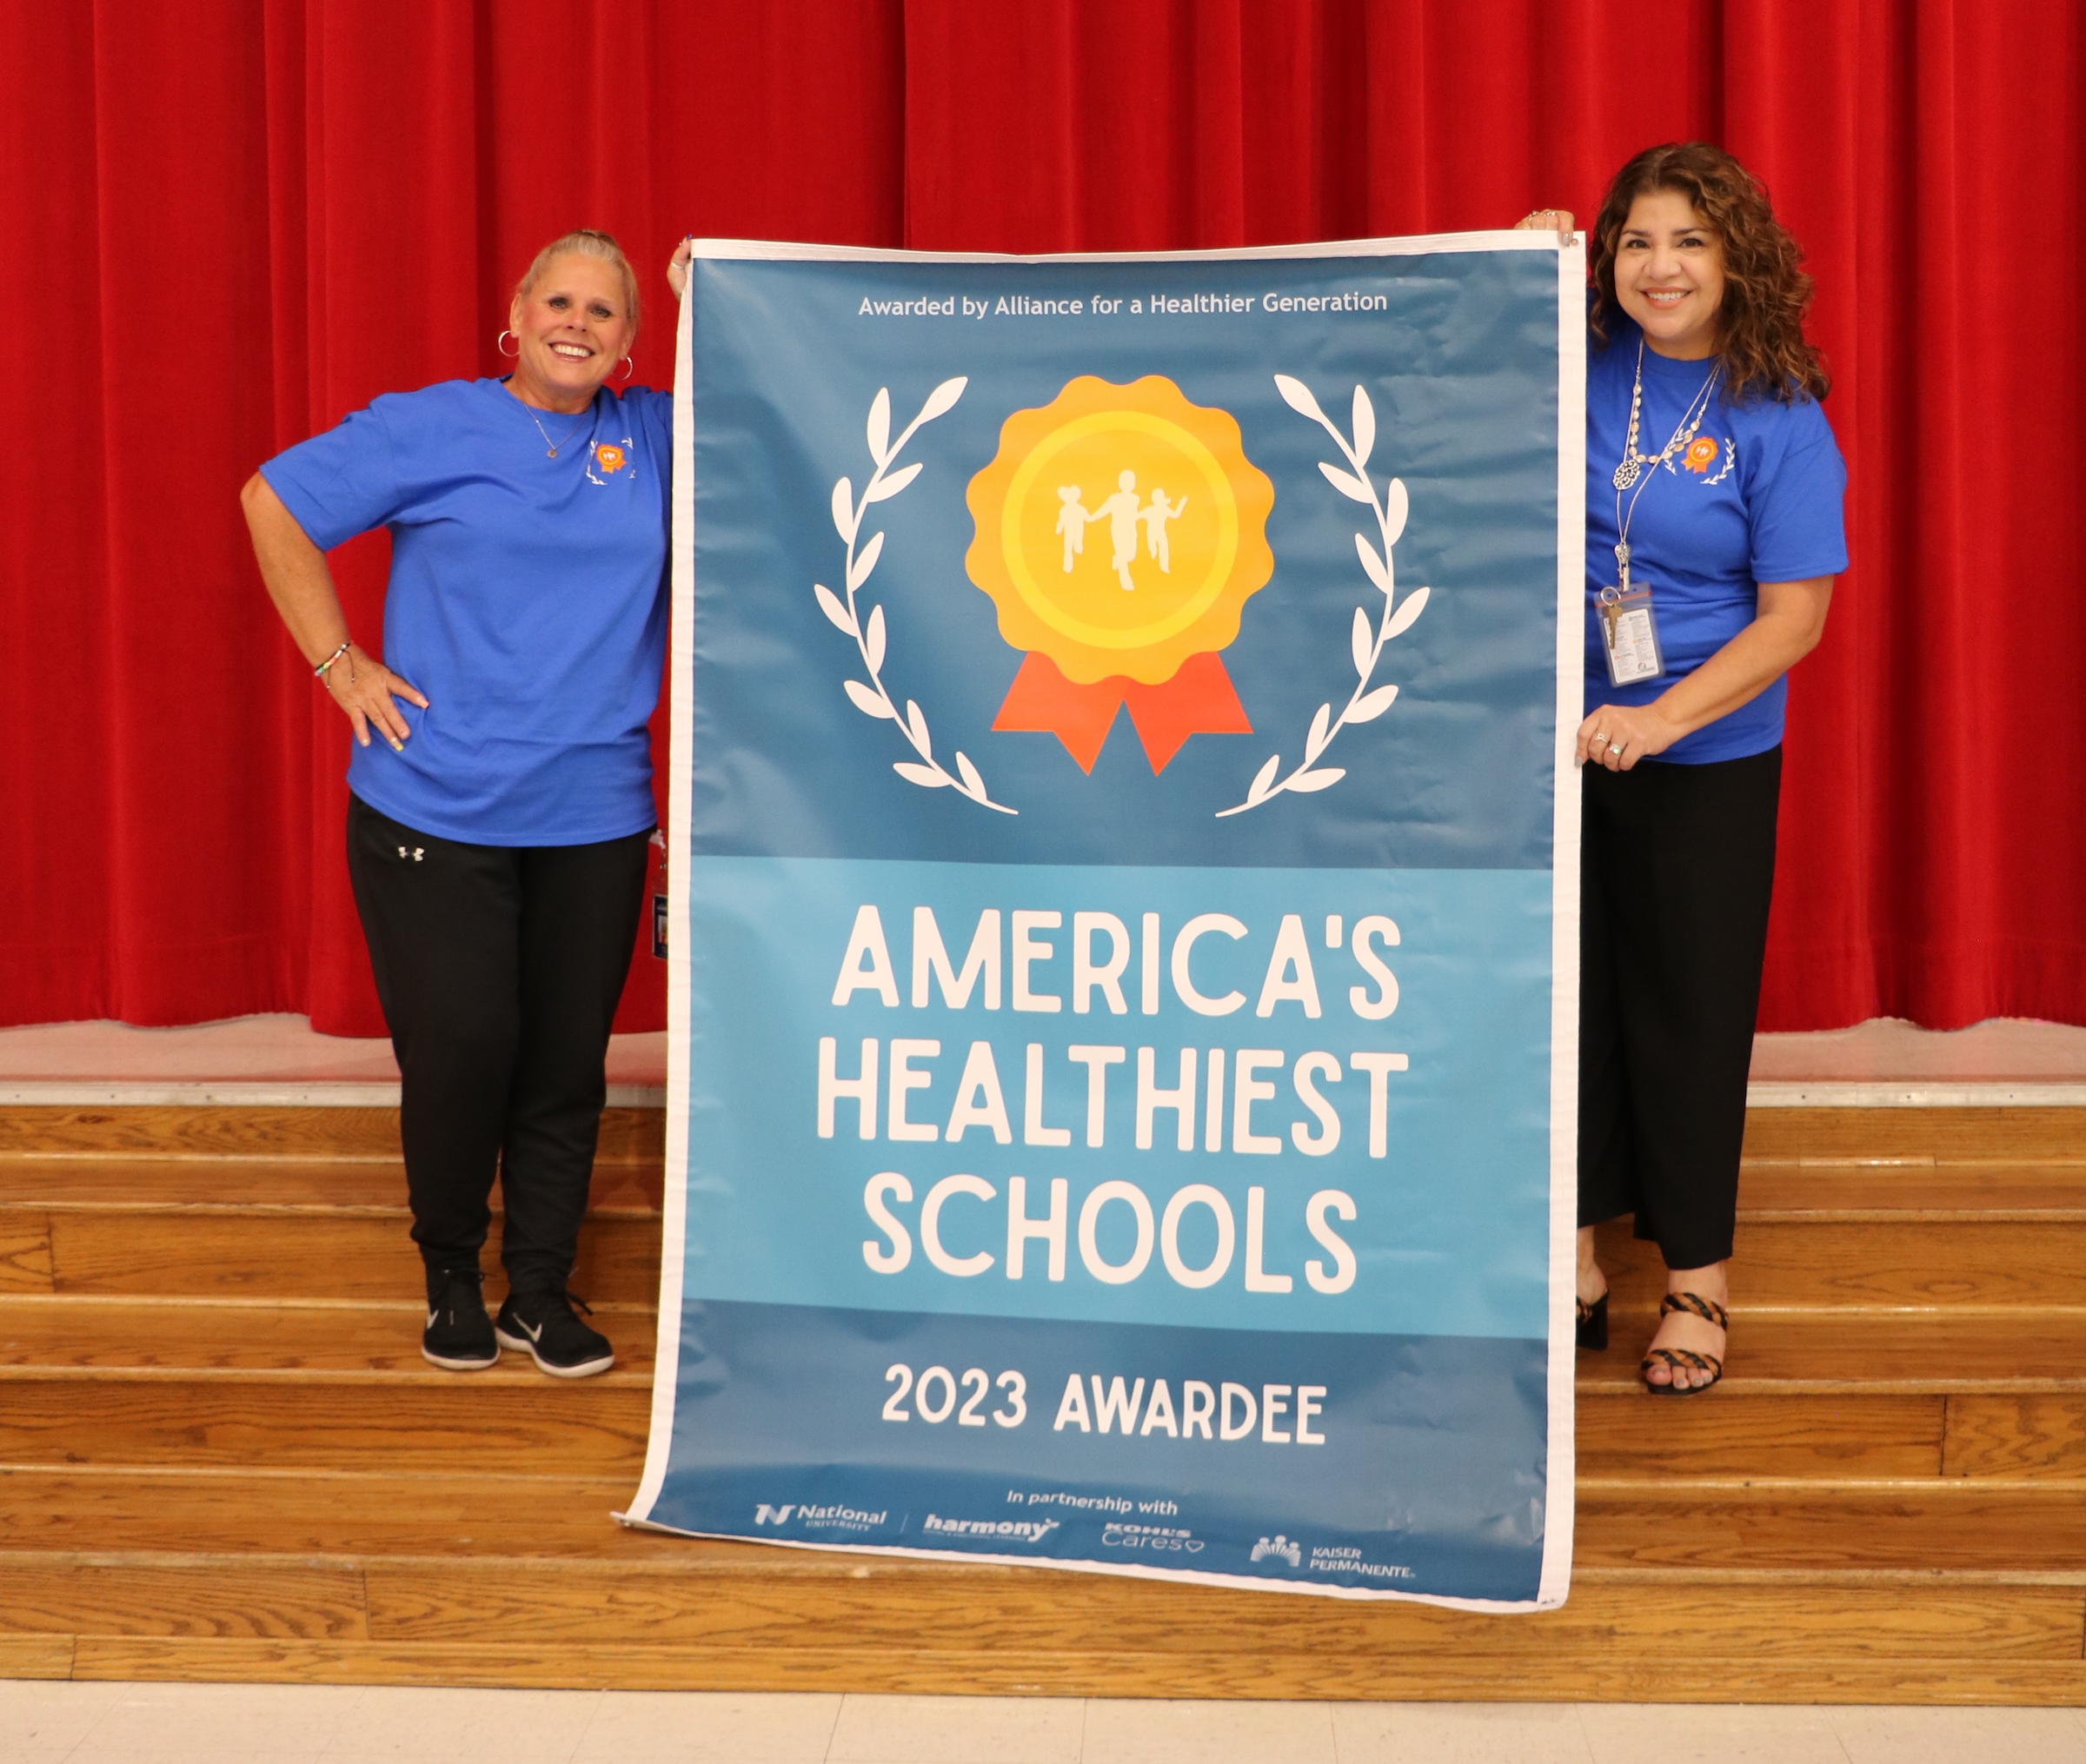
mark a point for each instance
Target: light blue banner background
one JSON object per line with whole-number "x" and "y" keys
{"x": 1450, "y": 1232}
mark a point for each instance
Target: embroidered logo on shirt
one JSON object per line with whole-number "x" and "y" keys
{"x": 1703, "y": 452}
{"x": 606, "y": 459}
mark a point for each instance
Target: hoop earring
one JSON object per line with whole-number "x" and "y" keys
{"x": 629, "y": 368}
{"x": 499, "y": 342}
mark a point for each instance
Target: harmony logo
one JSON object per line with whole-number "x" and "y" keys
{"x": 1280, "y": 1546}
{"x": 764, "y": 1514}
{"x": 1016, "y": 1530}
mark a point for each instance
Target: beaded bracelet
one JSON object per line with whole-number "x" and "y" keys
{"x": 319, "y": 672}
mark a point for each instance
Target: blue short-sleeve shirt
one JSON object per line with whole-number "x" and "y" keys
{"x": 1756, "y": 498}
{"x": 527, "y": 601}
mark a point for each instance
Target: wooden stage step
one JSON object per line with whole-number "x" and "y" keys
{"x": 222, "y": 1456}
{"x": 229, "y": 1382}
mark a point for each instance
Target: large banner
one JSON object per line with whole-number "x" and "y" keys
{"x": 1124, "y": 873}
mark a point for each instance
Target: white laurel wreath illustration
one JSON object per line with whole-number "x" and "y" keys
{"x": 1365, "y": 643}
{"x": 874, "y": 700}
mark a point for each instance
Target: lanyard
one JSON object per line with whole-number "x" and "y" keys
{"x": 1629, "y": 470}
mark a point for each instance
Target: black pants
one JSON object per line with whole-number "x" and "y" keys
{"x": 499, "y": 968}
{"x": 1678, "y": 863}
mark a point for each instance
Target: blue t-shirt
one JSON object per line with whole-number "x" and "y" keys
{"x": 1755, "y": 499}
{"x": 528, "y": 602}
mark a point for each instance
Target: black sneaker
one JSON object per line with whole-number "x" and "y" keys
{"x": 458, "y": 1335}
{"x": 544, "y": 1325}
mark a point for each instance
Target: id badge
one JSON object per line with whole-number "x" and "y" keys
{"x": 1629, "y": 635}
{"x": 655, "y": 882}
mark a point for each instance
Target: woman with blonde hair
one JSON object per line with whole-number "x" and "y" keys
{"x": 497, "y": 822}
{"x": 1713, "y": 535}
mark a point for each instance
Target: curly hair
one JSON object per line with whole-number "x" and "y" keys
{"x": 1760, "y": 332}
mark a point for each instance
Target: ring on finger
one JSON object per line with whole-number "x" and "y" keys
{"x": 1617, "y": 747}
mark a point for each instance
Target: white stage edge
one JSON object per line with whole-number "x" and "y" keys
{"x": 278, "y": 1062}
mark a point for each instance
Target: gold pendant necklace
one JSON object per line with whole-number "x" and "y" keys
{"x": 547, "y": 443}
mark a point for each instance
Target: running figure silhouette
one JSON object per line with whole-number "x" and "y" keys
{"x": 1155, "y": 518}
{"x": 1071, "y": 522}
{"x": 1121, "y": 512}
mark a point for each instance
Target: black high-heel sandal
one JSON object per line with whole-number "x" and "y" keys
{"x": 1681, "y": 1359}
{"x": 1593, "y": 1324}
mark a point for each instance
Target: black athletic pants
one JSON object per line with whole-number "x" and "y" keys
{"x": 499, "y": 968}
{"x": 1678, "y": 862}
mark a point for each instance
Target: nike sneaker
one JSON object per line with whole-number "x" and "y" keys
{"x": 545, "y": 1325}
{"x": 459, "y": 1336}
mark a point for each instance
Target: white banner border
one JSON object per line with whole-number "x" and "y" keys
{"x": 1554, "y": 1583}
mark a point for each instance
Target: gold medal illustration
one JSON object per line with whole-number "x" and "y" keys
{"x": 1118, "y": 531}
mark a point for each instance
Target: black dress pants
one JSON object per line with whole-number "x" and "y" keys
{"x": 1676, "y": 866}
{"x": 498, "y": 969}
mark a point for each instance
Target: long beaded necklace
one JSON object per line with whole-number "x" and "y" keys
{"x": 1633, "y": 461}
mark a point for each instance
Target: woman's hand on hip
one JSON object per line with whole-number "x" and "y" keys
{"x": 366, "y": 690}
{"x": 1617, "y": 736}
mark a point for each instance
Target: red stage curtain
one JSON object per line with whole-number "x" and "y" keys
{"x": 234, "y": 220}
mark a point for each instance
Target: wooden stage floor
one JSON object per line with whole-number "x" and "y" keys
{"x": 223, "y": 1459}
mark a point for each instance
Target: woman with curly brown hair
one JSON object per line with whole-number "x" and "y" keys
{"x": 1713, "y": 535}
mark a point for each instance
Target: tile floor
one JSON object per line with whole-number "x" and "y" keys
{"x": 45, "y": 1723}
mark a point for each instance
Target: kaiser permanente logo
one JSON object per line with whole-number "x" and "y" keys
{"x": 1016, "y": 1530}
{"x": 1280, "y": 1547}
